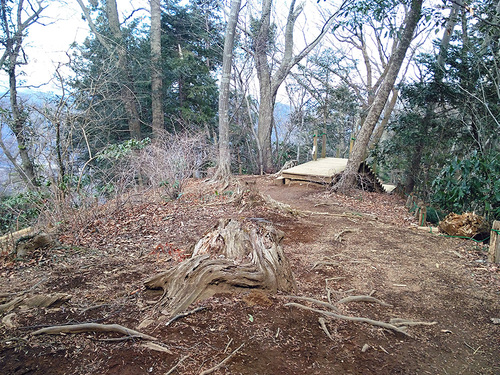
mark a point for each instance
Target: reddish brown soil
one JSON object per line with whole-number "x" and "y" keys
{"x": 425, "y": 277}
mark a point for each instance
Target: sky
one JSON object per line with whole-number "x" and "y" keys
{"x": 48, "y": 43}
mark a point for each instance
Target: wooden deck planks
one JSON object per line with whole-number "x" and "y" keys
{"x": 322, "y": 171}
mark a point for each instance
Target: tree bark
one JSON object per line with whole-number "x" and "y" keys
{"x": 348, "y": 179}
{"x": 156, "y": 72}
{"x": 377, "y": 135}
{"x": 224, "y": 164}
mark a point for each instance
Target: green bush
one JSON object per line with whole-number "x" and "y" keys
{"x": 20, "y": 210}
{"x": 470, "y": 184}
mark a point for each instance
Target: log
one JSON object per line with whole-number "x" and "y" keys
{"x": 234, "y": 256}
{"x": 494, "y": 254}
{"x": 467, "y": 225}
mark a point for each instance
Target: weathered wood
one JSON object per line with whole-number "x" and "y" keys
{"x": 494, "y": 254}
{"x": 233, "y": 256}
{"x": 93, "y": 327}
{"x": 421, "y": 215}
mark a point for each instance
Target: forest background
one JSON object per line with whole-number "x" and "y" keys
{"x": 413, "y": 86}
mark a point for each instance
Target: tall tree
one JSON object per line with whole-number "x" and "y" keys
{"x": 115, "y": 46}
{"x": 348, "y": 179}
{"x": 269, "y": 80}
{"x": 224, "y": 164}
{"x": 191, "y": 54}
{"x": 16, "y": 20}
{"x": 156, "y": 71}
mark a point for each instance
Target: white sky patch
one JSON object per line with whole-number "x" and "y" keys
{"x": 48, "y": 42}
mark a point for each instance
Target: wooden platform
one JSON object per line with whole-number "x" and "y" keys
{"x": 325, "y": 170}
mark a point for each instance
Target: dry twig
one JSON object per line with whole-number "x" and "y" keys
{"x": 210, "y": 370}
{"x": 325, "y": 263}
{"x": 176, "y": 365}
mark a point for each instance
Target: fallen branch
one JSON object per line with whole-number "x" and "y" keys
{"x": 399, "y": 322}
{"x": 182, "y": 315}
{"x": 368, "y": 299}
{"x": 93, "y": 327}
{"x": 210, "y": 370}
{"x": 352, "y": 318}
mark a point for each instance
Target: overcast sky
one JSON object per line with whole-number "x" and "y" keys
{"x": 46, "y": 44}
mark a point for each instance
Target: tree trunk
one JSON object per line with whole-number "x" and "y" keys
{"x": 156, "y": 71}
{"x": 224, "y": 165}
{"x": 348, "y": 179}
{"x": 269, "y": 82}
{"x": 445, "y": 41}
{"x": 18, "y": 128}
{"x": 12, "y": 41}
{"x": 377, "y": 135}
{"x": 233, "y": 257}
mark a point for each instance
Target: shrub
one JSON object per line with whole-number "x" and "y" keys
{"x": 470, "y": 185}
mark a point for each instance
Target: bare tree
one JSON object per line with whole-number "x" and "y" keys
{"x": 15, "y": 23}
{"x": 156, "y": 73}
{"x": 269, "y": 81}
{"x": 224, "y": 163}
{"x": 348, "y": 178}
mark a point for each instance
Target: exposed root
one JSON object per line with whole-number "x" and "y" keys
{"x": 93, "y": 327}
{"x": 338, "y": 236}
{"x": 182, "y": 315}
{"x": 352, "y": 318}
{"x": 315, "y": 301}
{"x": 368, "y": 299}
{"x": 322, "y": 323}
{"x": 36, "y": 301}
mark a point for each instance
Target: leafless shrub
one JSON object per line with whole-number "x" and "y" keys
{"x": 168, "y": 162}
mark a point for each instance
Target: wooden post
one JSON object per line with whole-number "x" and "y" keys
{"x": 351, "y": 145}
{"x": 323, "y": 148}
{"x": 422, "y": 216}
{"x": 494, "y": 255}
{"x": 315, "y": 147}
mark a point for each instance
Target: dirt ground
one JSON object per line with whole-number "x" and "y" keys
{"x": 338, "y": 246}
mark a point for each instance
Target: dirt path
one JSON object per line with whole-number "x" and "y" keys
{"x": 366, "y": 248}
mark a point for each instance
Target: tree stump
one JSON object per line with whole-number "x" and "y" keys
{"x": 234, "y": 256}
